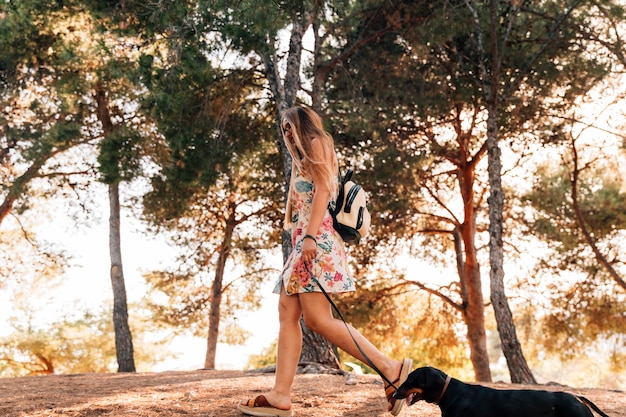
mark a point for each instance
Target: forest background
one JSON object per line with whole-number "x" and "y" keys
{"x": 489, "y": 135}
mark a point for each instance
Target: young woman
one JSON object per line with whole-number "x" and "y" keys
{"x": 318, "y": 248}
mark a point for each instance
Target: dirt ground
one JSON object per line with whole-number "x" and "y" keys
{"x": 215, "y": 393}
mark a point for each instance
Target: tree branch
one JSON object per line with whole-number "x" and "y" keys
{"x": 583, "y": 226}
{"x": 522, "y": 74}
{"x": 429, "y": 290}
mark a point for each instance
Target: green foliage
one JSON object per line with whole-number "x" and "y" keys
{"x": 582, "y": 320}
{"x": 201, "y": 113}
{"x": 238, "y": 216}
{"x": 66, "y": 346}
{"x": 118, "y": 157}
{"x": 49, "y": 101}
{"x": 80, "y": 343}
{"x": 585, "y": 306}
{"x": 27, "y": 36}
{"x": 410, "y": 106}
{"x": 553, "y": 219}
{"x": 266, "y": 358}
{"x": 425, "y": 89}
{"x": 586, "y": 314}
{"x": 403, "y": 323}
{"x": 28, "y": 265}
{"x": 250, "y": 25}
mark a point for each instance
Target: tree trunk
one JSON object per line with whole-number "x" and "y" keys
{"x": 473, "y": 310}
{"x": 315, "y": 348}
{"x": 123, "y": 337}
{"x": 518, "y": 367}
{"x": 216, "y": 295}
{"x": 6, "y": 206}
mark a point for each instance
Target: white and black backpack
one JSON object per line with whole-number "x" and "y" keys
{"x": 351, "y": 219}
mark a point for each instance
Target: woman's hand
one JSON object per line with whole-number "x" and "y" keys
{"x": 309, "y": 250}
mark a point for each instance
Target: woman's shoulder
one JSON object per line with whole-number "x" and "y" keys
{"x": 317, "y": 144}
{"x": 322, "y": 150}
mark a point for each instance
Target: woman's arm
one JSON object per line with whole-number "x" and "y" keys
{"x": 319, "y": 206}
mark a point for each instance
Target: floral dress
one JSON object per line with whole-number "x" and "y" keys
{"x": 330, "y": 264}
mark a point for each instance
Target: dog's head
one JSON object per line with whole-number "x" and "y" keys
{"x": 422, "y": 384}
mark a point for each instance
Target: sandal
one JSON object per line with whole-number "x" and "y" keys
{"x": 260, "y": 407}
{"x": 396, "y": 405}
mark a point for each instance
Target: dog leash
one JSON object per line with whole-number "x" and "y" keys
{"x": 334, "y": 306}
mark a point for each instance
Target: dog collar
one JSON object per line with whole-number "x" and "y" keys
{"x": 445, "y": 387}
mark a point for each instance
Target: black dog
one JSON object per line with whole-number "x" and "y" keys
{"x": 457, "y": 399}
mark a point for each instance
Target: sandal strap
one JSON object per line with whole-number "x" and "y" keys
{"x": 396, "y": 382}
{"x": 389, "y": 389}
{"x": 258, "y": 401}
{"x": 261, "y": 401}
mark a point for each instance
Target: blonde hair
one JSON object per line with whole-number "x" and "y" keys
{"x": 306, "y": 126}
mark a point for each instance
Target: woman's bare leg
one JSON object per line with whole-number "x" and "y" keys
{"x": 288, "y": 352}
{"x": 318, "y": 317}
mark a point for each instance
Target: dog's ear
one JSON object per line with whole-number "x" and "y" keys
{"x": 439, "y": 374}
{"x": 434, "y": 381}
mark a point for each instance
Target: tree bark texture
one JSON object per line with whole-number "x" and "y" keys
{"x": 316, "y": 349}
{"x": 123, "y": 337}
{"x": 216, "y": 294}
{"x": 518, "y": 367}
{"x": 473, "y": 310}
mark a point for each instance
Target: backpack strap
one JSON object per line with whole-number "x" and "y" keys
{"x": 340, "y": 183}
{"x": 340, "y": 194}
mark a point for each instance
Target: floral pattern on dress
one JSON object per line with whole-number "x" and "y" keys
{"x": 330, "y": 264}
